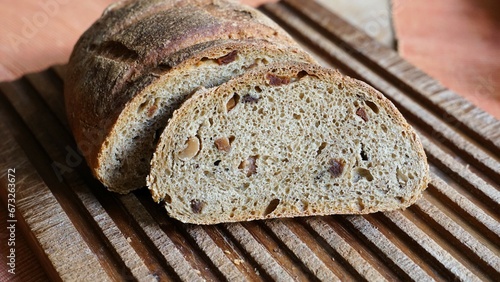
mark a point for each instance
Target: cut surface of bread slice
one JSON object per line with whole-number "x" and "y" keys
{"x": 125, "y": 155}
{"x": 284, "y": 141}
{"x": 128, "y": 49}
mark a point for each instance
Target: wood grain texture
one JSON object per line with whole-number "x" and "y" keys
{"x": 451, "y": 233}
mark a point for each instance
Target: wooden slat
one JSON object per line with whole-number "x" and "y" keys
{"x": 394, "y": 256}
{"x": 469, "y": 245}
{"x": 450, "y": 266}
{"x": 258, "y": 252}
{"x": 40, "y": 210}
{"x": 485, "y": 224}
{"x": 346, "y": 251}
{"x": 80, "y": 231}
{"x": 161, "y": 241}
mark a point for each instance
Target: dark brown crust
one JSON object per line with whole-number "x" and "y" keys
{"x": 135, "y": 41}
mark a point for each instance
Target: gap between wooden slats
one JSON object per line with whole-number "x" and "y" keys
{"x": 36, "y": 203}
{"x": 489, "y": 197}
{"x": 466, "y": 209}
{"x": 406, "y": 247}
{"x": 161, "y": 241}
{"x": 233, "y": 265}
{"x": 372, "y": 53}
{"x": 469, "y": 249}
{"x": 91, "y": 217}
{"x": 175, "y": 230}
{"x": 410, "y": 231}
{"x": 306, "y": 248}
{"x": 258, "y": 252}
{"x": 469, "y": 149}
{"x": 405, "y": 267}
{"x": 278, "y": 251}
{"x": 346, "y": 253}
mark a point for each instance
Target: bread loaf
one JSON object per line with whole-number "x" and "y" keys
{"x": 141, "y": 59}
{"x": 283, "y": 141}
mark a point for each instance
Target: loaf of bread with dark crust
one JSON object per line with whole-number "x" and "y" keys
{"x": 128, "y": 51}
{"x": 286, "y": 140}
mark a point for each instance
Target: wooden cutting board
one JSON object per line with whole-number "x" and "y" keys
{"x": 80, "y": 231}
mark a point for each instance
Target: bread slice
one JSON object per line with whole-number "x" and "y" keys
{"x": 134, "y": 49}
{"x": 124, "y": 159}
{"x": 286, "y": 140}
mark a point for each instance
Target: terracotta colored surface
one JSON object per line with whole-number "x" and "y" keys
{"x": 455, "y": 41}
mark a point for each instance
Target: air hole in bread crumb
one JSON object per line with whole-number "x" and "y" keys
{"x": 231, "y": 103}
{"x": 384, "y": 128}
{"x": 296, "y": 116}
{"x": 410, "y": 175}
{"x": 301, "y": 74}
{"x": 141, "y": 107}
{"x": 361, "y": 173}
{"x": 321, "y": 147}
{"x": 272, "y": 206}
{"x": 372, "y": 106}
{"x": 363, "y": 154}
{"x": 258, "y": 89}
{"x": 402, "y": 178}
{"x": 167, "y": 199}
